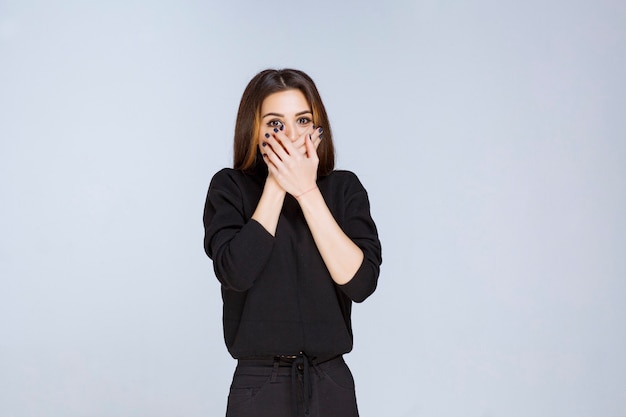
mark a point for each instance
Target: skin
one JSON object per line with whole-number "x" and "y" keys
{"x": 291, "y": 157}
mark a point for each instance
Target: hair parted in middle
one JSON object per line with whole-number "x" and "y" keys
{"x": 265, "y": 83}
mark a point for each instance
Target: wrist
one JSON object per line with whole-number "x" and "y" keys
{"x": 272, "y": 186}
{"x": 306, "y": 191}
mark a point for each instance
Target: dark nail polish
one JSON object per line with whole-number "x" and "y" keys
{"x": 264, "y": 144}
{"x": 267, "y": 135}
{"x": 314, "y": 127}
{"x": 282, "y": 127}
{"x": 320, "y": 130}
{"x": 321, "y": 137}
{"x": 275, "y": 130}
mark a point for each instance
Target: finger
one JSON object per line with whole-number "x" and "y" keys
{"x": 317, "y": 136}
{"x": 275, "y": 146}
{"x": 298, "y": 144}
{"x": 273, "y": 162}
{"x": 311, "y": 149}
{"x": 317, "y": 139}
{"x": 270, "y": 155}
{"x": 280, "y": 137}
{"x": 271, "y": 168}
{"x": 311, "y": 134}
{"x": 284, "y": 141}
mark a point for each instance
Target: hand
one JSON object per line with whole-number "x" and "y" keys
{"x": 292, "y": 164}
{"x": 315, "y": 133}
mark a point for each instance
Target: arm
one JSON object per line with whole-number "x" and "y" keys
{"x": 352, "y": 256}
{"x": 268, "y": 210}
{"x": 340, "y": 254}
{"x": 271, "y": 202}
{"x": 358, "y": 224}
{"x": 239, "y": 247}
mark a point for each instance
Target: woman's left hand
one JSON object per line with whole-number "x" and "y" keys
{"x": 295, "y": 171}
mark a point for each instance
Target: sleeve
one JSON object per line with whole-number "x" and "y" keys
{"x": 360, "y": 227}
{"x": 239, "y": 246}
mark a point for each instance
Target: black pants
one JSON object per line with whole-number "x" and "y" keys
{"x": 290, "y": 387}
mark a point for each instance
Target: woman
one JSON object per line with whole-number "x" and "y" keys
{"x": 293, "y": 245}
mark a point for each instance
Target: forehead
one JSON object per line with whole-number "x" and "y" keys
{"x": 285, "y": 102}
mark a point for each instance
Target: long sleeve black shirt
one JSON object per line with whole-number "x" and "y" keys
{"x": 279, "y": 298}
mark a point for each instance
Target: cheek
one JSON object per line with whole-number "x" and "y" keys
{"x": 261, "y": 136}
{"x": 301, "y": 129}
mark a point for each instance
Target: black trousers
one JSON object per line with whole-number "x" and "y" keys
{"x": 290, "y": 387}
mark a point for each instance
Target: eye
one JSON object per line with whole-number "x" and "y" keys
{"x": 275, "y": 123}
{"x": 304, "y": 121}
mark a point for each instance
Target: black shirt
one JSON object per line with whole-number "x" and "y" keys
{"x": 279, "y": 298}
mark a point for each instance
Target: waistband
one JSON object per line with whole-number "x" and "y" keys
{"x": 300, "y": 363}
{"x": 285, "y": 360}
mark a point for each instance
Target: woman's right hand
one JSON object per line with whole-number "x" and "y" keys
{"x": 314, "y": 133}
{"x": 294, "y": 171}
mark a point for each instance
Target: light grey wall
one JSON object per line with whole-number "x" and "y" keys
{"x": 490, "y": 135}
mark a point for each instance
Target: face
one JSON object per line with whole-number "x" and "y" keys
{"x": 289, "y": 109}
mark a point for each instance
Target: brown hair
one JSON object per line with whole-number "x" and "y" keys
{"x": 270, "y": 81}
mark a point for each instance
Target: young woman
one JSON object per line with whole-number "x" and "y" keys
{"x": 293, "y": 245}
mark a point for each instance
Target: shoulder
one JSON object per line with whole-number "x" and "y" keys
{"x": 235, "y": 182}
{"x": 226, "y": 180}
{"x": 344, "y": 179}
{"x": 344, "y": 176}
{"x": 225, "y": 174}
{"x": 229, "y": 176}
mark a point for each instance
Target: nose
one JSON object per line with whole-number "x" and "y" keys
{"x": 290, "y": 131}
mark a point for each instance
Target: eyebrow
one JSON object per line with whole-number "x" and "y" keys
{"x": 282, "y": 115}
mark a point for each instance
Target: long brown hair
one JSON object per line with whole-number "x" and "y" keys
{"x": 270, "y": 81}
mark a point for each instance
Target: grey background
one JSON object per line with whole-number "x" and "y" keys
{"x": 490, "y": 136}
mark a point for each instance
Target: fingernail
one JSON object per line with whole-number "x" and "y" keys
{"x": 264, "y": 143}
{"x": 321, "y": 137}
{"x": 320, "y": 130}
{"x": 282, "y": 127}
{"x": 267, "y": 135}
{"x": 314, "y": 127}
{"x": 264, "y": 155}
{"x": 275, "y": 130}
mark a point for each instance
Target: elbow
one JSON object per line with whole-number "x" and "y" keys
{"x": 365, "y": 292}
{"x": 231, "y": 278}
{"x": 363, "y": 284}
